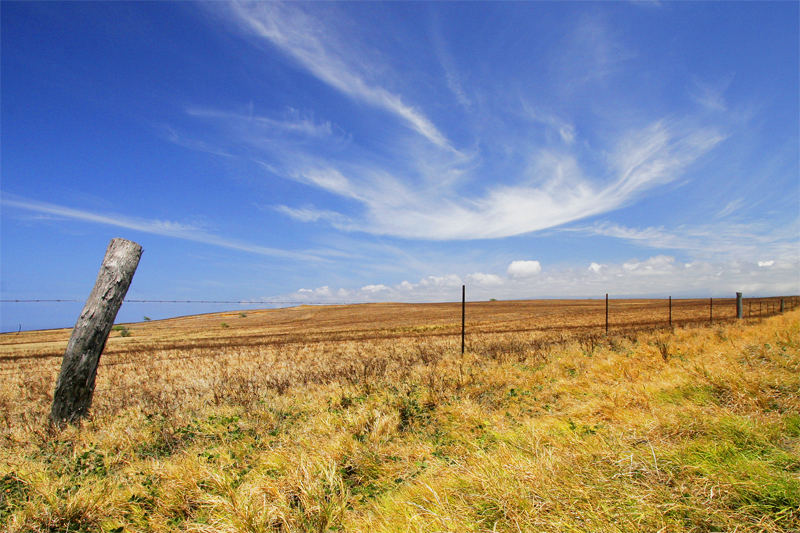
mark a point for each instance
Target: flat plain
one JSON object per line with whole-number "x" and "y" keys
{"x": 369, "y": 418}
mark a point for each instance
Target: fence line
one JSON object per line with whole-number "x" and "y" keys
{"x": 790, "y": 304}
{"x": 772, "y": 299}
{"x": 75, "y": 385}
{"x": 138, "y": 301}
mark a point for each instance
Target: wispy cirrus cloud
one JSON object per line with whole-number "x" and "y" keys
{"x": 553, "y": 190}
{"x": 711, "y": 95}
{"x": 742, "y": 242}
{"x": 565, "y": 130}
{"x": 321, "y": 51}
{"x": 731, "y": 207}
{"x": 414, "y": 198}
{"x": 447, "y": 62}
{"x": 166, "y": 228}
{"x": 589, "y": 53}
{"x": 309, "y": 214}
{"x": 294, "y": 122}
{"x": 505, "y": 185}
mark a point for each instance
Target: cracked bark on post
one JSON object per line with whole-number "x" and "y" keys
{"x": 75, "y": 386}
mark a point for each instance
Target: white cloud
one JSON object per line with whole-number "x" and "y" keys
{"x": 164, "y": 228}
{"x": 480, "y": 278}
{"x": 567, "y": 134}
{"x": 374, "y": 288}
{"x": 596, "y": 267}
{"x": 711, "y": 95}
{"x": 654, "y": 265}
{"x": 718, "y": 241}
{"x": 293, "y": 122}
{"x": 448, "y": 66}
{"x": 656, "y": 155}
{"x": 588, "y": 53}
{"x": 524, "y": 269}
{"x": 331, "y": 180}
{"x": 564, "y": 129}
{"x": 730, "y": 208}
{"x": 450, "y": 280}
{"x": 555, "y": 191}
{"x": 766, "y": 263}
{"x": 417, "y": 191}
{"x": 320, "y": 51}
{"x": 310, "y": 214}
{"x": 656, "y": 275}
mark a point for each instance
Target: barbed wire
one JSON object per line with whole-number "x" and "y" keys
{"x": 39, "y": 301}
{"x": 306, "y": 302}
{"x": 141, "y": 301}
{"x": 14, "y": 371}
{"x": 333, "y": 302}
{"x": 621, "y": 331}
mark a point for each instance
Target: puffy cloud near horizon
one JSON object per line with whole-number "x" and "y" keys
{"x": 659, "y": 275}
{"x": 653, "y": 265}
{"x": 484, "y": 279}
{"x": 524, "y": 269}
{"x": 595, "y": 267}
{"x": 372, "y": 289}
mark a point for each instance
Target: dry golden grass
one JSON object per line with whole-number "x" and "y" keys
{"x": 368, "y": 418}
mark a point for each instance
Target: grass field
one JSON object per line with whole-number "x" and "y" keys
{"x": 368, "y": 418}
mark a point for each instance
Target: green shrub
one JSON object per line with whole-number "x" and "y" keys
{"x": 123, "y": 331}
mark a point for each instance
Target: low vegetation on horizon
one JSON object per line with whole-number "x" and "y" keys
{"x": 368, "y": 418}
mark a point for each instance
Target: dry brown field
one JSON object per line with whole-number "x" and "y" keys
{"x": 380, "y": 321}
{"x": 171, "y": 361}
{"x": 368, "y": 418}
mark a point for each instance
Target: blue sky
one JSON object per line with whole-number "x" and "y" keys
{"x": 350, "y": 152}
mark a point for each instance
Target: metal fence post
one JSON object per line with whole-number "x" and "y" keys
{"x": 463, "y": 315}
{"x": 711, "y": 310}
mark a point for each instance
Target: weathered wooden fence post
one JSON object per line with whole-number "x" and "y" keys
{"x": 463, "y": 315}
{"x": 739, "y": 305}
{"x": 711, "y": 310}
{"x": 73, "y": 395}
{"x": 783, "y": 305}
{"x": 606, "y": 314}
